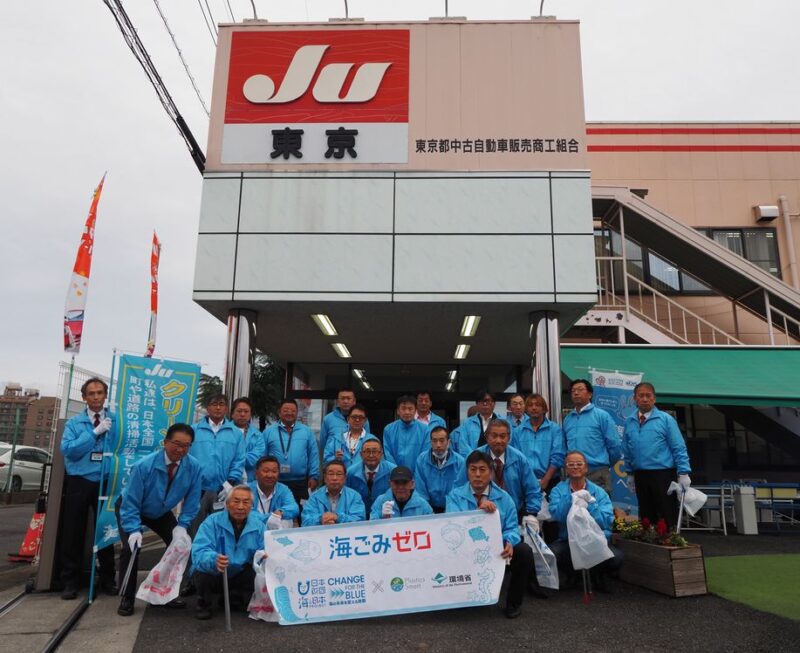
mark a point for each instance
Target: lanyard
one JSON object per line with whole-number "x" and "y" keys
{"x": 285, "y": 447}
{"x": 265, "y": 509}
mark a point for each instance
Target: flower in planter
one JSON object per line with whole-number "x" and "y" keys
{"x": 644, "y": 531}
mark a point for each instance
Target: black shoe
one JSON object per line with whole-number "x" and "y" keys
{"x": 125, "y": 608}
{"x": 535, "y": 590}
{"x": 513, "y": 611}
{"x": 109, "y": 586}
{"x": 188, "y": 590}
{"x": 176, "y": 604}
{"x": 69, "y": 593}
{"x": 202, "y": 611}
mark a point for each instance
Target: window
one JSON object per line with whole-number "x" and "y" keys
{"x": 757, "y": 245}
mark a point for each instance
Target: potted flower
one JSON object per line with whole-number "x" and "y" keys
{"x": 659, "y": 559}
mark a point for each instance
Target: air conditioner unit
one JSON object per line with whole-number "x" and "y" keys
{"x": 765, "y": 213}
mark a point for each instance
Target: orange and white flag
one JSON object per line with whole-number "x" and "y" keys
{"x": 75, "y": 305}
{"x": 155, "y": 256}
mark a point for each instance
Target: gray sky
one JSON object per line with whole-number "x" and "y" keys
{"x": 75, "y": 103}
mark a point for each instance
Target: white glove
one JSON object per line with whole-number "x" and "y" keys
{"x": 388, "y": 508}
{"x": 532, "y": 522}
{"x": 585, "y": 495}
{"x": 225, "y": 491}
{"x": 274, "y": 522}
{"x": 135, "y": 541}
{"x": 684, "y": 481}
{"x": 102, "y": 427}
{"x": 259, "y": 557}
{"x": 179, "y": 532}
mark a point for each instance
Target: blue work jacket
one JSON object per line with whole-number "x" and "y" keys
{"x": 146, "y": 495}
{"x": 299, "y": 451}
{"x": 543, "y": 448}
{"x": 462, "y": 499}
{"x": 357, "y": 479}
{"x": 338, "y": 441}
{"x": 282, "y": 499}
{"x": 79, "y": 442}
{"x": 255, "y": 447}
{"x": 433, "y": 421}
{"x": 240, "y": 554}
{"x": 656, "y": 444}
{"x": 221, "y": 455}
{"x": 434, "y": 483}
{"x": 594, "y": 434}
{"x": 334, "y": 422}
{"x": 470, "y": 432}
{"x": 350, "y": 507}
{"x": 602, "y": 511}
{"x": 415, "y": 506}
{"x": 403, "y": 442}
{"x": 519, "y": 480}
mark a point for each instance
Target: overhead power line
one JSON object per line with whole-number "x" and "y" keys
{"x": 208, "y": 25}
{"x": 230, "y": 11}
{"x": 140, "y": 53}
{"x": 180, "y": 55}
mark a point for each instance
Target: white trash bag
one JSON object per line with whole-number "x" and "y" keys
{"x": 544, "y": 559}
{"x": 260, "y": 606}
{"x": 163, "y": 583}
{"x": 587, "y": 542}
{"x": 544, "y": 511}
{"x": 693, "y": 500}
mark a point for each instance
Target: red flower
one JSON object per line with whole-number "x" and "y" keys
{"x": 645, "y": 523}
{"x": 661, "y": 527}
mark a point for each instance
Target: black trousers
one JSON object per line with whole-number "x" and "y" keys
{"x": 521, "y": 568}
{"x": 161, "y": 526}
{"x": 240, "y": 586}
{"x": 80, "y": 501}
{"x": 299, "y": 490}
{"x": 651, "y": 493}
{"x": 564, "y": 559}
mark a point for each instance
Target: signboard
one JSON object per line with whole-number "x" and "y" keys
{"x": 152, "y": 395}
{"x": 437, "y": 95}
{"x": 613, "y": 392}
{"x": 383, "y": 567}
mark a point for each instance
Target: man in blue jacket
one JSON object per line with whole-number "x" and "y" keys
{"x": 82, "y": 447}
{"x": 270, "y": 498}
{"x": 592, "y": 431}
{"x": 438, "y": 470}
{"x": 346, "y": 446}
{"x": 254, "y": 444}
{"x": 481, "y": 493}
{"x": 515, "y": 415}
{"x": 405, "y": 438}
{"x": 473, "y": 430}
{"x": 295, "y": 447}
{"x": 425, "y": 414}
{"x": 239, "y": 531}
{"x": 333, "y": 503}
{"x": 156, "y": 485}
{"x": 542, "y": 442}
{"x": 336, "y": 420}
{"x": 370, "y": 475}
{"x": 656, "y": 453}
{"x": 512, "y": 470}
{"x": 400, "y": 500}
{"x": 599, "y": 507}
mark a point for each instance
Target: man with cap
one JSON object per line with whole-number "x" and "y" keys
{"x": 400, "y": 500}
{"x": 156, "y": 485}
{"x": 272, "y": 499}
{"x": 479, "y": 492}
{"x": 369, "y": 476}
{"x": 438, "y": 470}
{"x": 334, "y": 502}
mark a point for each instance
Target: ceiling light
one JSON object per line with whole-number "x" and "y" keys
{"x": 461, "y": 351}
{"x": 325, "y": 325}
{"x": 341, "y": 350}
{"x": 449, "y": 386}
{"x": 359, "y": 374}
{"x": 470, "y": 325}
{"x": 452, "y": 374}
{"x": 366, "y": 385}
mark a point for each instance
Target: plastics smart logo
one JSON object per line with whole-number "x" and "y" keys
{"x": 396, "y": 584}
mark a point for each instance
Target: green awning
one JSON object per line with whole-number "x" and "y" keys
{"x": 740, "y": 376}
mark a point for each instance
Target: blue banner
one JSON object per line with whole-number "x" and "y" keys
{"x": 151, "y": 395}
{"x": 613, "y": 392}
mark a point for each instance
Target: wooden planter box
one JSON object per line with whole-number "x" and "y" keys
{"x": 671, "y": 570}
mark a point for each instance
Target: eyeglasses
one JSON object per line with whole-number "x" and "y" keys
{"x": 358, "y": 418}
{"x": 179, "y": 445}
{"x": 217, "y": 403}
{"x": 575, "y": 465}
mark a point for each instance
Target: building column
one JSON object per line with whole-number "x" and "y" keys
{"x": 547, "y": 360}
{"x": 240, "y": 352}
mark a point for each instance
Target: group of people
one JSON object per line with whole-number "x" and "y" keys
{"x": 232, "y": 481}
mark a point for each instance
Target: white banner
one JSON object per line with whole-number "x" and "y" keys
{"x": 389, "y": 566}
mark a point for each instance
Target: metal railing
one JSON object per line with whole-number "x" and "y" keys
{"x": 654, "y": 307}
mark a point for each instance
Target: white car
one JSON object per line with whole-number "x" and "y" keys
{"x": 27, "y": 468}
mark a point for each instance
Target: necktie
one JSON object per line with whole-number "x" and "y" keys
{"x": 171, "y": 469}
{"x": 370, "y": 479}
{"x": 478, "y": 499}
{"x": 518, "y": 420}
{"x": 642, "y": 419}
{"x": 498, "y": 472}
{"x": 96, "y": 420}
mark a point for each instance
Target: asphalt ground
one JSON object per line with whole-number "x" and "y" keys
{"x": 628, "y": 619}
